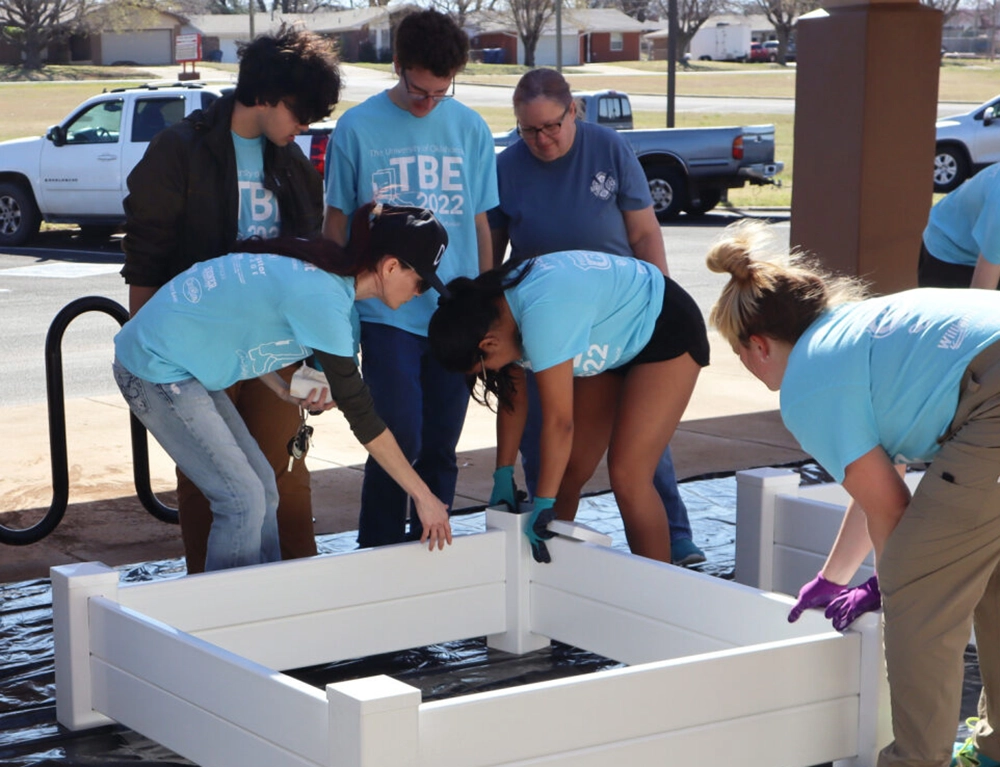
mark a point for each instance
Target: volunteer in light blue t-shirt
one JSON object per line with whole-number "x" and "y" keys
{"x": 961, "y": 243}
{"x": 414, "y": 144}
{"x": 616, "y": 348}
{"x": 248, "y": 314}
{"x": 571, "y": 184}
{"x": 868, "y": 386}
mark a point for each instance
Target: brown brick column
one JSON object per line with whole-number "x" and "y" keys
{"x": 865, "y": 107}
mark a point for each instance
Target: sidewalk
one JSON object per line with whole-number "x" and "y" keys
{"x": 732, "y": 423}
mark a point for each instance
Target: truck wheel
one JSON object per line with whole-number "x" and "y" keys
{"x": 950, "y": 168}
{"x": 668, "y": 188}
{"x": 708, "y": 199}
{"x": 19, "y": 217}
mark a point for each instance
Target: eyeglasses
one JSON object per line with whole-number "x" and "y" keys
{"x": 422, "y": 285}
{"x": 549, "y": 129}
{"x": 419, "y": 94}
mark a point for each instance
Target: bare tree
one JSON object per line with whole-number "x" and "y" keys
{"x": 530, "y": 18}
{"x": 948, "y": 8}
{"x": 691, "y": 15}
{"x": 33, "y": 24}
{"x": 459, "y": 9}
{"x": 783, "y": 15}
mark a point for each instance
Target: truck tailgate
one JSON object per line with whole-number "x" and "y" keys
{"x": 758, "y": 144}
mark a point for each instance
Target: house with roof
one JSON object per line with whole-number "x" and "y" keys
{"x": 362, "y": 34}
{"x": 588, "y": 35}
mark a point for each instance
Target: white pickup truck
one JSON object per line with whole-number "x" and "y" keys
{"x": 76, "y": 172}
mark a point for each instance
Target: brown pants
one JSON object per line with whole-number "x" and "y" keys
{"x": 272, "y": 422}
{"x": 939, "y": 574}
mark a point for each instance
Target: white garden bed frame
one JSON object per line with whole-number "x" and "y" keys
{"x": 784, "y": 531}
{"x": 715, "y": 671}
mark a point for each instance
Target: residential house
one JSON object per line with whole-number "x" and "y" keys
{"x": 588, "y": 35}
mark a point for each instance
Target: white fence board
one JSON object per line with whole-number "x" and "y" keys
{"x": 265, "y": 592}
{"x": 641, "y": 701}
{"x": 192, "y": 732}
{"x": 209, "y": 679}
{"x": 739, "y": 615}
{"x": 352, "y": 632}
{"x": 788, "y": 738}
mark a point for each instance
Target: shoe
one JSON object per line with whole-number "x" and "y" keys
{"x": 684, "y": 553}
{"x": 966, "y": 755}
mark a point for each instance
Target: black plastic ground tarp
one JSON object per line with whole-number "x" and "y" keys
{"x": 29, "y": 734}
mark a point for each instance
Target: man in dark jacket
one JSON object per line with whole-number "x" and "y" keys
{"x": 227, "y": 173}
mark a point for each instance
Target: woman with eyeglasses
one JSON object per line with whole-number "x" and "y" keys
{"x": 572, "y": 184}
{"x": 247, "y": 314}
{"x": 616, "y": 348}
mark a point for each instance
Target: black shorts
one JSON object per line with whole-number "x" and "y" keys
{"x": 934, "y": 273}
{"x": 680, "y": 328}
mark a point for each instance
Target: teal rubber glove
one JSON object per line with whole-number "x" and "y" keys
{"x": 504, "y": 489}
{"x": 541, "y": 515}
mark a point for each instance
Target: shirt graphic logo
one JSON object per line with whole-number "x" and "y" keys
{"x": 603, "y": 185}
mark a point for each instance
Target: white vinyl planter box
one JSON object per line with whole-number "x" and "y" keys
{"x": 785, "y": 530}
{"x": 714, "y": 668}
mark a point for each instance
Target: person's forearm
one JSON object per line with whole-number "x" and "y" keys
{"x": 385, "y": 450}
{"x": 650, "y": 249}
{"x": 138, "y": 295}
{"x": 986, "y": 275}
{"x": 850, "y": 548}
{"x": 556, "y": 444}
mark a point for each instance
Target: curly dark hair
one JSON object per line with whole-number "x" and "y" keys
{"x": 293, "y": 64}
{"x": 433, "y": 41}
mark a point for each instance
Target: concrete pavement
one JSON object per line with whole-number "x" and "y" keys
{"x": 731, "y": 423}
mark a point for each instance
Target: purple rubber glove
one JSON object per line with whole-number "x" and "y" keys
{"x": 854, "y": 603}
{"x": 819, "y": 592}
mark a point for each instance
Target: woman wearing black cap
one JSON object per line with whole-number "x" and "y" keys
{"x": 248, "y": 313}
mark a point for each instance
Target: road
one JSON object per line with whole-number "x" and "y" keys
{"x": 36, "y": 283}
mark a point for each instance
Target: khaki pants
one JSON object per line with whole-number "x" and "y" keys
{"x": 938, "y": 573}
{"x": 272, "y": 422}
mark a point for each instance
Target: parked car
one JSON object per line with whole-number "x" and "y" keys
{"x": 772, "y": 47}
{"x": 688, "y": 169}
{"x": 966, "y": 144}
{"x": 758, "y": 53}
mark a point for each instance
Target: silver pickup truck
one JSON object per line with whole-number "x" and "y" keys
{"x": 688, "y": 169}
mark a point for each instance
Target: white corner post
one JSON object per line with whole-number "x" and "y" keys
{"x": 518, "y": 638}
{"x": 72, "y": 588}
{"x": 874, "y": 715}
{"x": 755, "y": 497}
{"x": 374, "y": 722}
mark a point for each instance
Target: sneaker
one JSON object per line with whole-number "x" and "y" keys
{"x": 966, "y": 755}
{"x": 684, "y": 553}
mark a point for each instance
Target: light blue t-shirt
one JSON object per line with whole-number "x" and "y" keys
{"x": 575, "y": 201}
{"x": 259, "y": 215}
{"x": 885, "y": 371}
{"x": 596, "y": 309}
{"x": 237, "y": 317}
{"x": 444, "y": 161}
{"x": 966, "y": 222}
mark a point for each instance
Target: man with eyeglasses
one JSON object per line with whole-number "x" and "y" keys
{"x": 225, "y": 173}
{"x": 414, "y": 144}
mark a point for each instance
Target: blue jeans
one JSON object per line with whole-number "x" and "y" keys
{"x": 208, "y": 440}
{"x": 664, "y": 480}
{"x": 424, "y": 407}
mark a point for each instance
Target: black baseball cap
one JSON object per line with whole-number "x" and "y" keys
{"x": 414, "y": 236}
